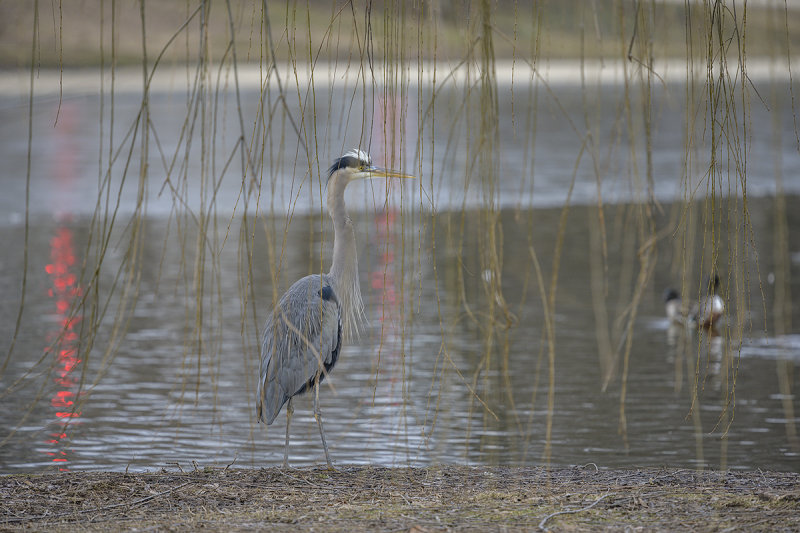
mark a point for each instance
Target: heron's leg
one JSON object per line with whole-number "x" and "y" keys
{"x": 318, "y": 416}
{"x": 289, "y": 412}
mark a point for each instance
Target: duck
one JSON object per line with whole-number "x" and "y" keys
{"x": 704, "y": 314}
{"x": 709, "y": 310}
{"x": 674, "y": 309}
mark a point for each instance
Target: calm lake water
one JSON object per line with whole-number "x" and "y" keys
{"x": 444, "y": 372}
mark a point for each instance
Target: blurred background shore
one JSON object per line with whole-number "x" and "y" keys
{"x": 86, "y": 33}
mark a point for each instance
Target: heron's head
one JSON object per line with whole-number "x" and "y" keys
{"x": 357, "y": 164}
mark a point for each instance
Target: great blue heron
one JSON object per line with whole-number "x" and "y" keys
{"x": 303, "y": 335}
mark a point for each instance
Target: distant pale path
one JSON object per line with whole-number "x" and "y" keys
{"x": 170, "y": 78}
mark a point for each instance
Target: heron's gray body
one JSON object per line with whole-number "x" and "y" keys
{"x": 300, "y": 344}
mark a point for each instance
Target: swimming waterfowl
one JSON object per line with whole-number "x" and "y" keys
{"x": 673, "y": 307}
{"x": 711, "y": 307}
{"x": 706, "y": 313}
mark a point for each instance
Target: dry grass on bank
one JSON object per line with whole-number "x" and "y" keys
{"x": 404, "y": 499}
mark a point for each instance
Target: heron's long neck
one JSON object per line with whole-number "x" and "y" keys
{"x": 344, "y": 269}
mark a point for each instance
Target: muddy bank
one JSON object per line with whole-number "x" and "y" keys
{"x": 403, "y": 499}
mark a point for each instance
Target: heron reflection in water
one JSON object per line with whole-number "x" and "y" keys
{"x": 302, "y": 339}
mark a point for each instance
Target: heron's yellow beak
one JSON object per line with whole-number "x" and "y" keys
{"x": 377, "y": 172}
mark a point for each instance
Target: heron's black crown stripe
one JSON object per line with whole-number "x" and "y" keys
{"x": 347, "y": 161}
{"x": 343, "y": 162}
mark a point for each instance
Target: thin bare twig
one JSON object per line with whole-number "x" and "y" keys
{"x": 572, "y": 511}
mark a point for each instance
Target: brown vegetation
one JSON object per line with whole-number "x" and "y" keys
{"x": 405, "y": 499}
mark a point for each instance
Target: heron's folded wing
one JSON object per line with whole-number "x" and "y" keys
{"x": 299, "y": 339}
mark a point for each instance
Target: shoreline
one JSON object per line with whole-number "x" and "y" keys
{"x": 171, "y": 79}
{"x": 408, "y": 499}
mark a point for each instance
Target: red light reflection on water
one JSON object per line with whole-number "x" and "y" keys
{"x": 382, "y": 277}
{"x": 382, "y": 283}
{"x": 64, "y": 341}
{"x": 391, "y": 114}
